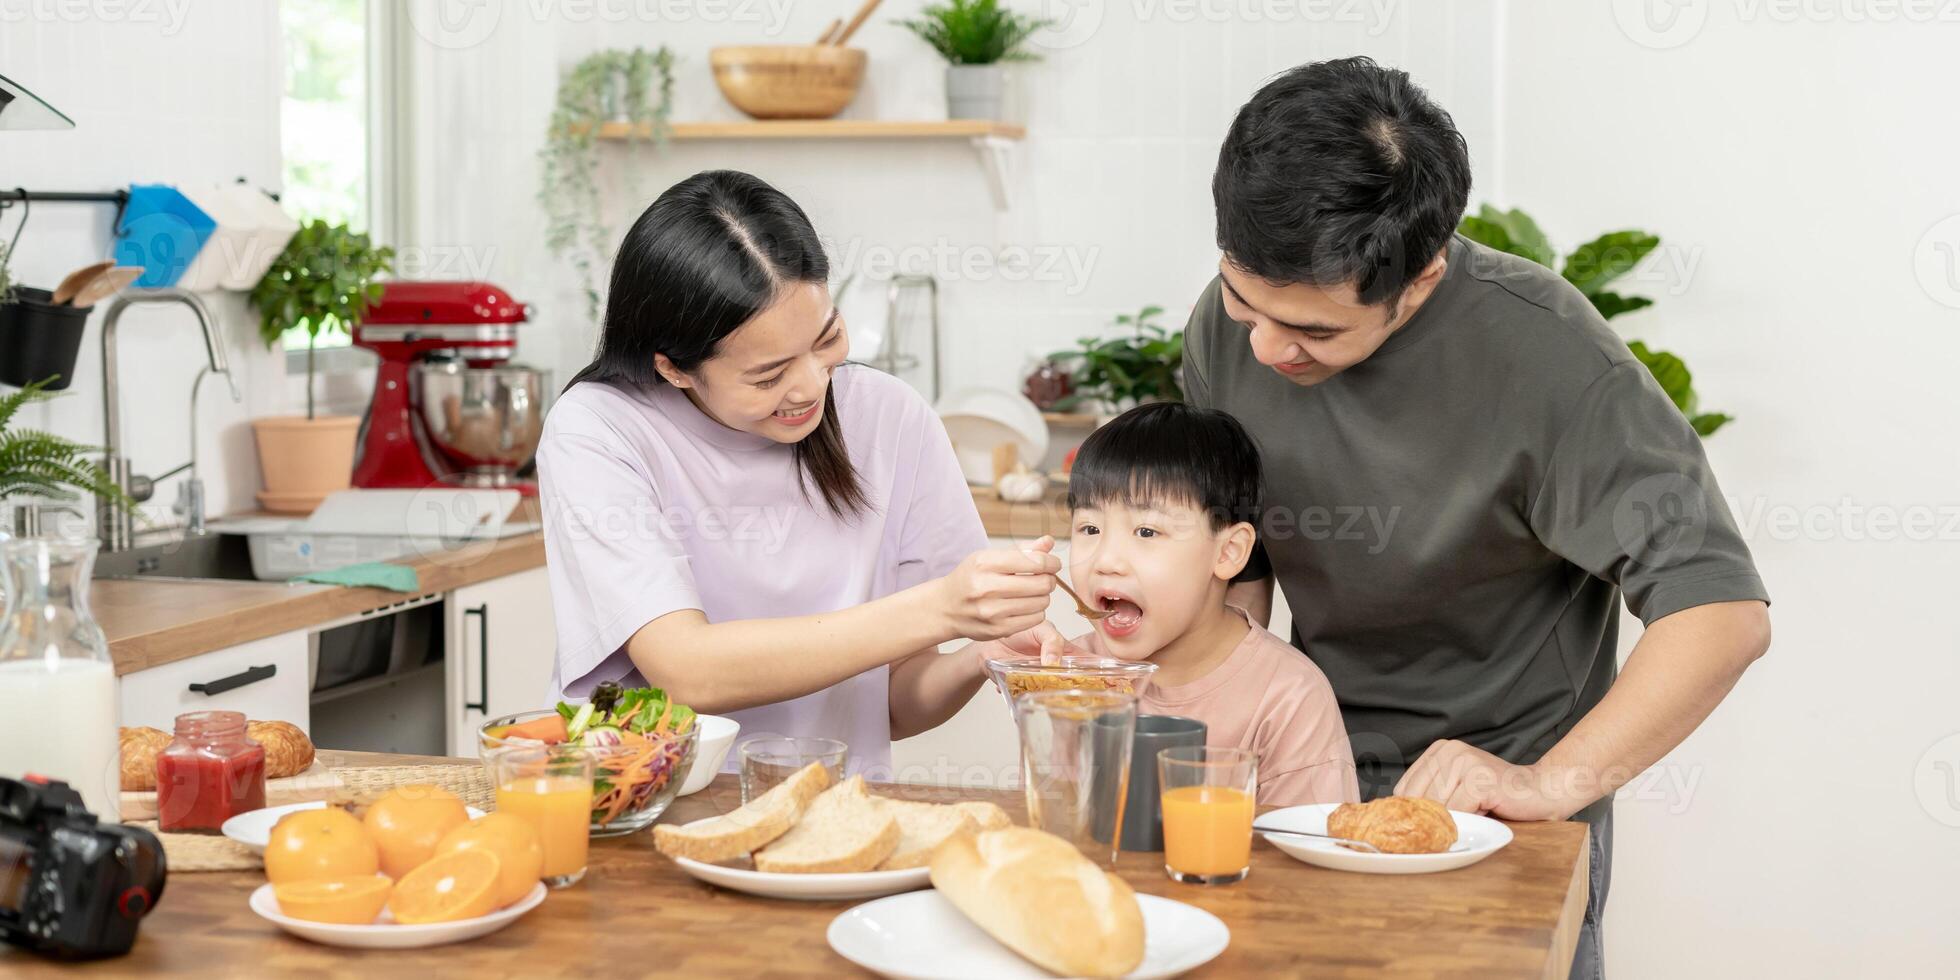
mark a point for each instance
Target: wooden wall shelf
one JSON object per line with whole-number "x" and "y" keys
{"x": 993, "y": 141}
{"x": 854, "y": 129}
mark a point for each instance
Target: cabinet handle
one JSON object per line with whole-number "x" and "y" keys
{"x": 251, "y": 675}
{"x": 482, "y": 614}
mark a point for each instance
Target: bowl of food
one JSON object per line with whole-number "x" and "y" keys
{"x": 1018, "y": 675}
{"x": 642, "y": 743}
{"x": 717, "y": 737}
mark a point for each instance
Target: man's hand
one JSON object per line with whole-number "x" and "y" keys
{"x": 1463, "y": 777}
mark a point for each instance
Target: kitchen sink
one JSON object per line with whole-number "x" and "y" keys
{"x": 214, "y": 555}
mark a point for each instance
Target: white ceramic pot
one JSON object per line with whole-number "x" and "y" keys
{"x": 974, "y": 91}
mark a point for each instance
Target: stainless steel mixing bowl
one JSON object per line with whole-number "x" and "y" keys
{"x": 485, "y": 421}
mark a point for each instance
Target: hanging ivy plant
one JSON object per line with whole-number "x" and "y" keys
{"x": 634, "y": 87}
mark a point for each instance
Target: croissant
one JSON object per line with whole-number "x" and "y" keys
{"x": 1396, "y": 825}
{"x": 139, "y": 757}
{"x": 288, "y": 752}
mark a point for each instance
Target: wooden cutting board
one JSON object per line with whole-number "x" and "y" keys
{"x": 316, "y": 783}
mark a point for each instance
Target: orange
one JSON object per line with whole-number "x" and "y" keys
{"x": 343, "y": 901}
{"x": 459, "y": 885}
{"x": 408, "y": 822}
{"x": 515, "y": 843}
{"x": 308, "y": 845}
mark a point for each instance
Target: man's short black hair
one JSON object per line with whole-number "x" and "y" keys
{"x": 1340, "y": 172}
{"x": 1170, "y": 452}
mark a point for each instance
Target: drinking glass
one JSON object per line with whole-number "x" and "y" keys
{"x": 1075, "y": 765}
{"x": 770, "y": 759}
{"x": 1208, "y": 806}
{"x": 549, "y": 787}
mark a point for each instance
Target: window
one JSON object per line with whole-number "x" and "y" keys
{"x": 330, "y": 119}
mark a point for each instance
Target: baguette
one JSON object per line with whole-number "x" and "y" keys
{"x": 843, "y": 831}
{"x": 922, "y": 827}
{"x": 1037, "y": 895}
{"x": 760, "y": 821}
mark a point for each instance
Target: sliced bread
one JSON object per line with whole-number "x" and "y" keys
{"x": 988, "y": 816}
{"x": 844, "y": 830}
{"x": 921, "y": 828}
{"x": 740, "y": 832}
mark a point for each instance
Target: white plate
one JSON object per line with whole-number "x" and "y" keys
{"x": 811, "y": 888}
{"x": 923, "y": 935}
{"x": 253, "y": 828}
{"x": 385, "y": 933}
{"x": 1476, "y": 838}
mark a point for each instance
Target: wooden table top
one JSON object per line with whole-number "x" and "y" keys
{"x": 1515, "y": 914}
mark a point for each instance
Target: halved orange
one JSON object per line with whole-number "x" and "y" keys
{"x": 353, "y": 901}
{"x": 515, "y": 843}
{"x": 458, "y": 885}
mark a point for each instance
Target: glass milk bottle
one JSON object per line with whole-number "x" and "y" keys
{"x": 57, "y": 683}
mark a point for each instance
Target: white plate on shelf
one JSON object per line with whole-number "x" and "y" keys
{"x": 922, "y": 935}
{"x": 809, "y": 888}
{"x": 385, "y": 933}
{"x": 253, "y": 828}
{"x": 1477, "y": 837}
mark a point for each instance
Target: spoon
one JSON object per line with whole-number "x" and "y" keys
{"x": 108, "y": 284}
{"x": 73, "y": 282}
{"x": 1082, "y": 609}
{"x": 1359, "y": 845}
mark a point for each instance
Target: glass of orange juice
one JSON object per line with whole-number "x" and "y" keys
{"x": 1208, "y": 796}
{"x": 550, "y": 787}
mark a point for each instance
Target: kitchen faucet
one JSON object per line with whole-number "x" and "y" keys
{"x": 114, "y": 525}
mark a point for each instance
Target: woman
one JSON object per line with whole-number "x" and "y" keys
{"x": 735, "y": 514}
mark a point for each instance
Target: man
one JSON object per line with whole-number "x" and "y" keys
{"x": 1465, "y": 470}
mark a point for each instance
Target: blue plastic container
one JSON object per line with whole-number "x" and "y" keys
{"x": 162, "y": 231}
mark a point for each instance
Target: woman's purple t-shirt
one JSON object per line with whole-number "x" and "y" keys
{"x": 650, "y": 506}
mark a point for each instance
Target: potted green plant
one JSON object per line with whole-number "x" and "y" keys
{"x": 45, "y": 465}
{"x": 1115, "y": 373}
{"x": 633, "y": 87}
{"x": 976, "y": 37}
{"x": 322, "y": 283}
{"x": 1591, "y": 268}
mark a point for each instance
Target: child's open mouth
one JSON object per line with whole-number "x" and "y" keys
{"x": 1124, "y": 613}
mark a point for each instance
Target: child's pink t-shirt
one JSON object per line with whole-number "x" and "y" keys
{"x": 1270, "y": 698}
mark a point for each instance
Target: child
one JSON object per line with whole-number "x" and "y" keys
{"x": 1164, "y": 499}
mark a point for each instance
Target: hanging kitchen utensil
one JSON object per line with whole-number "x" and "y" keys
{"x": 73, "y": 282}
{"x": 857, "y": 21}
{"x": 108, "y": 284}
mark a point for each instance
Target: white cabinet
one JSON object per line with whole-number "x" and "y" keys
{"x": 266, "y": 679}
{"x": 501, "y": 647}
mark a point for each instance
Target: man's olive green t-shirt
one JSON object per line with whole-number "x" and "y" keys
{"x": 1454, "y": 520}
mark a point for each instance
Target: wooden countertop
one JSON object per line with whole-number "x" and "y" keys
{"x": 1515, "y": 914}
{"x": 157, "y": 622}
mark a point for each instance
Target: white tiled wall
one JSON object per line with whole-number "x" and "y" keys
{"x": 1114, "y": 177}
{"x": 160, "y": 93}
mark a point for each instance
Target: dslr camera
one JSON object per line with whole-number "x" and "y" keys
{"x": 71, "y": 887}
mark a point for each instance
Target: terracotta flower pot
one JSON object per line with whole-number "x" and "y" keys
{"x": 303, "y": 460}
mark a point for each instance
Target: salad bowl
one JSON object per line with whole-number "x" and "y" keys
{"x": 642, "y": 746}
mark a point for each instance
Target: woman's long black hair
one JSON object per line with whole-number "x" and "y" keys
{"x": 709, "y": 255}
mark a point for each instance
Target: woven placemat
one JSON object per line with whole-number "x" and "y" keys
{"x": 202, "y": 852}
{"x": 362, "y": 786}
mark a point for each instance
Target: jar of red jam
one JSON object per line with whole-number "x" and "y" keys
{"x": 210, "y": 773}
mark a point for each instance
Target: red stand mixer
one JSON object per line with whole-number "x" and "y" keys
{"x": 449, "y": 408}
